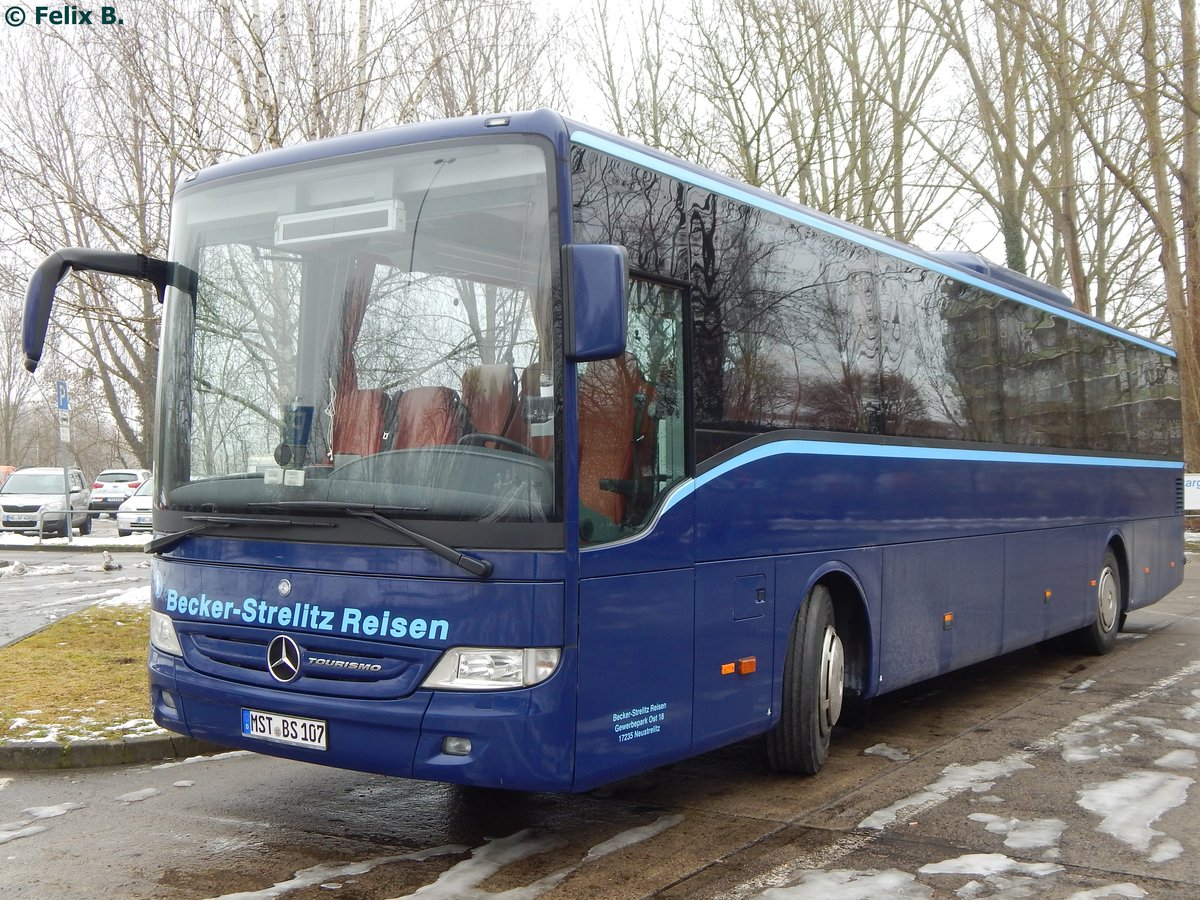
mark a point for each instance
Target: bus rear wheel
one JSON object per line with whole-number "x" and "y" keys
{"x": 813, "y": 683}
{"x": 1099, "y": 637}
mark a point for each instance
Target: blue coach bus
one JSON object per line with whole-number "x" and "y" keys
{"x": 506, "y": 452}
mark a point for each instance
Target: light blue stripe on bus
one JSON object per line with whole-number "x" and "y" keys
{"x": 891, "y": 451}
{"x": 688, "y": 176}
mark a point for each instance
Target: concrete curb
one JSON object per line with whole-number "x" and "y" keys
{"x": 141, "y": 748}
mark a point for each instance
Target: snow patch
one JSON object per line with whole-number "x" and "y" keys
{"x": 1021, "y": 834}
{"x": 192, "y": 760}
{"x": 51, "y": 812}
{"x": 895, "y": 754}
{"x": 138, "y": 796}
{"x": 138, "y": 597}
{"x": 1088, "y": 745}
{"x": 632, "y": 836}
{"x": 318, "y": 875}
{"x": 845, "y": 884}
{"x": 1130, "y": 805}
{"x": 20, "y": 831}
{"x": 1124, "y": 889}
{"x": 1166, "y": 732}
{"x": 955, "y": 779}
{"x": 989, "y": 864}
{"x": 1178, "y": 759}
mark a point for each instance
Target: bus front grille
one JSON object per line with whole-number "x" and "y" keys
{"x": 328, "y": 666}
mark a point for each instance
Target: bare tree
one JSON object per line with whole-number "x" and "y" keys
{"x": 469, "y": 60}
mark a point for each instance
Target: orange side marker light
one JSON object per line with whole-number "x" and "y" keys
{"x": 728, "y": 668}
{"x": 747, "y": 665}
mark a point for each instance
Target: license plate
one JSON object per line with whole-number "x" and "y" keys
{"x": 269, "y": 726}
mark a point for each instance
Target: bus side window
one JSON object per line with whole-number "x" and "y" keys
{"x": 631, "y": 427}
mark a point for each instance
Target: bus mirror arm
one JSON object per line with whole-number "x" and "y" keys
{"x": 39, "y": 298}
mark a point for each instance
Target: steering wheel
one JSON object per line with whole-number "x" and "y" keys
{"x": 480, "y": 437}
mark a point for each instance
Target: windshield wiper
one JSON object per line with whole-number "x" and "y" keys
{"x": 371, "y": 512}
{"x": 165, "y": 542}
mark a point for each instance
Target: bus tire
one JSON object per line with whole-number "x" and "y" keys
{"x": 813, "y": 680}
{"x": 1099, "y": 637}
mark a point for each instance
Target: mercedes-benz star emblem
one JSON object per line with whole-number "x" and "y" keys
{"x": 283, "y": 659}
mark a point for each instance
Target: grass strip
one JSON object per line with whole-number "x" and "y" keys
{"x": 84, "y": 677}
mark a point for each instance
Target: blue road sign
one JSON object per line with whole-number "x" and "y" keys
{"x": 64, "y": 402}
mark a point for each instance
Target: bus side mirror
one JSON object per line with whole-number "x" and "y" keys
{"x": 39, "y": 297}
{"x": 597, "y": 285}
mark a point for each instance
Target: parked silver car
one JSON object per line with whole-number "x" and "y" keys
{"x": 33, "y": 491}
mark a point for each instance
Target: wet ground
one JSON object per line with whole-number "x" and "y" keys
{"x": 1037, "y": 774}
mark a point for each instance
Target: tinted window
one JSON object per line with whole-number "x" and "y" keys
{"x": 795, "y": 328}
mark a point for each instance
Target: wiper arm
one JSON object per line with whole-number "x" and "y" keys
{"x": 165, "y": 542}
{"x": 372, "y": 513}
{"x": 474, "y": 565}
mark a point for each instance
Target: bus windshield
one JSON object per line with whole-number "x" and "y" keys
{"x": 367, "y": 330}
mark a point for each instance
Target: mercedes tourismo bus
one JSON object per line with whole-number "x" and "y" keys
{"x": 503, "y": 451}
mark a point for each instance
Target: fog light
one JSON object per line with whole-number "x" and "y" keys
{"x": 456, "y": 746}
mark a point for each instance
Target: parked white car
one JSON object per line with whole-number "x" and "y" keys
{"x": 113, "y": 487}
{"x": 136, "y": 513}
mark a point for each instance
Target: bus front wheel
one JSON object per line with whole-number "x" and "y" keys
{"x": 813, "y": 680}
{"x": 1099, "y": 637}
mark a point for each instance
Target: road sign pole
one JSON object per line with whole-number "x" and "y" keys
{"x": 64, "y": 437}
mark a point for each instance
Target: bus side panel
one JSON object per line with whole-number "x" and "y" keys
{"x": 735, "y": 635}
{"x": 635, "y": 674}
{"x": 790, "y": 496}
{"x": 1046, "y": 589}
{"x": 1155, "y": 560}
{"x": 925, "y": 583}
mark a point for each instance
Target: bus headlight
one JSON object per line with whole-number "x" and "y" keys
{"x": 162, "y": 634}
{"x": 492, "y": 668}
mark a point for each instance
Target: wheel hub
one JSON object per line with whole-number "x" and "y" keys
{"x": 833, "y": 674}
{"x": 1107, "y": 602}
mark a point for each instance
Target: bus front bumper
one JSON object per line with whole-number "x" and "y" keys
{"x": 518, "y": 739}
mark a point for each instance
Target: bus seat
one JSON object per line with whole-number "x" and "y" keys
{"x": 358, "y": 422}
{"x": 489, "y": 392}
{"x": 616, "y": 435}
{"x": 427, "y": 417}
